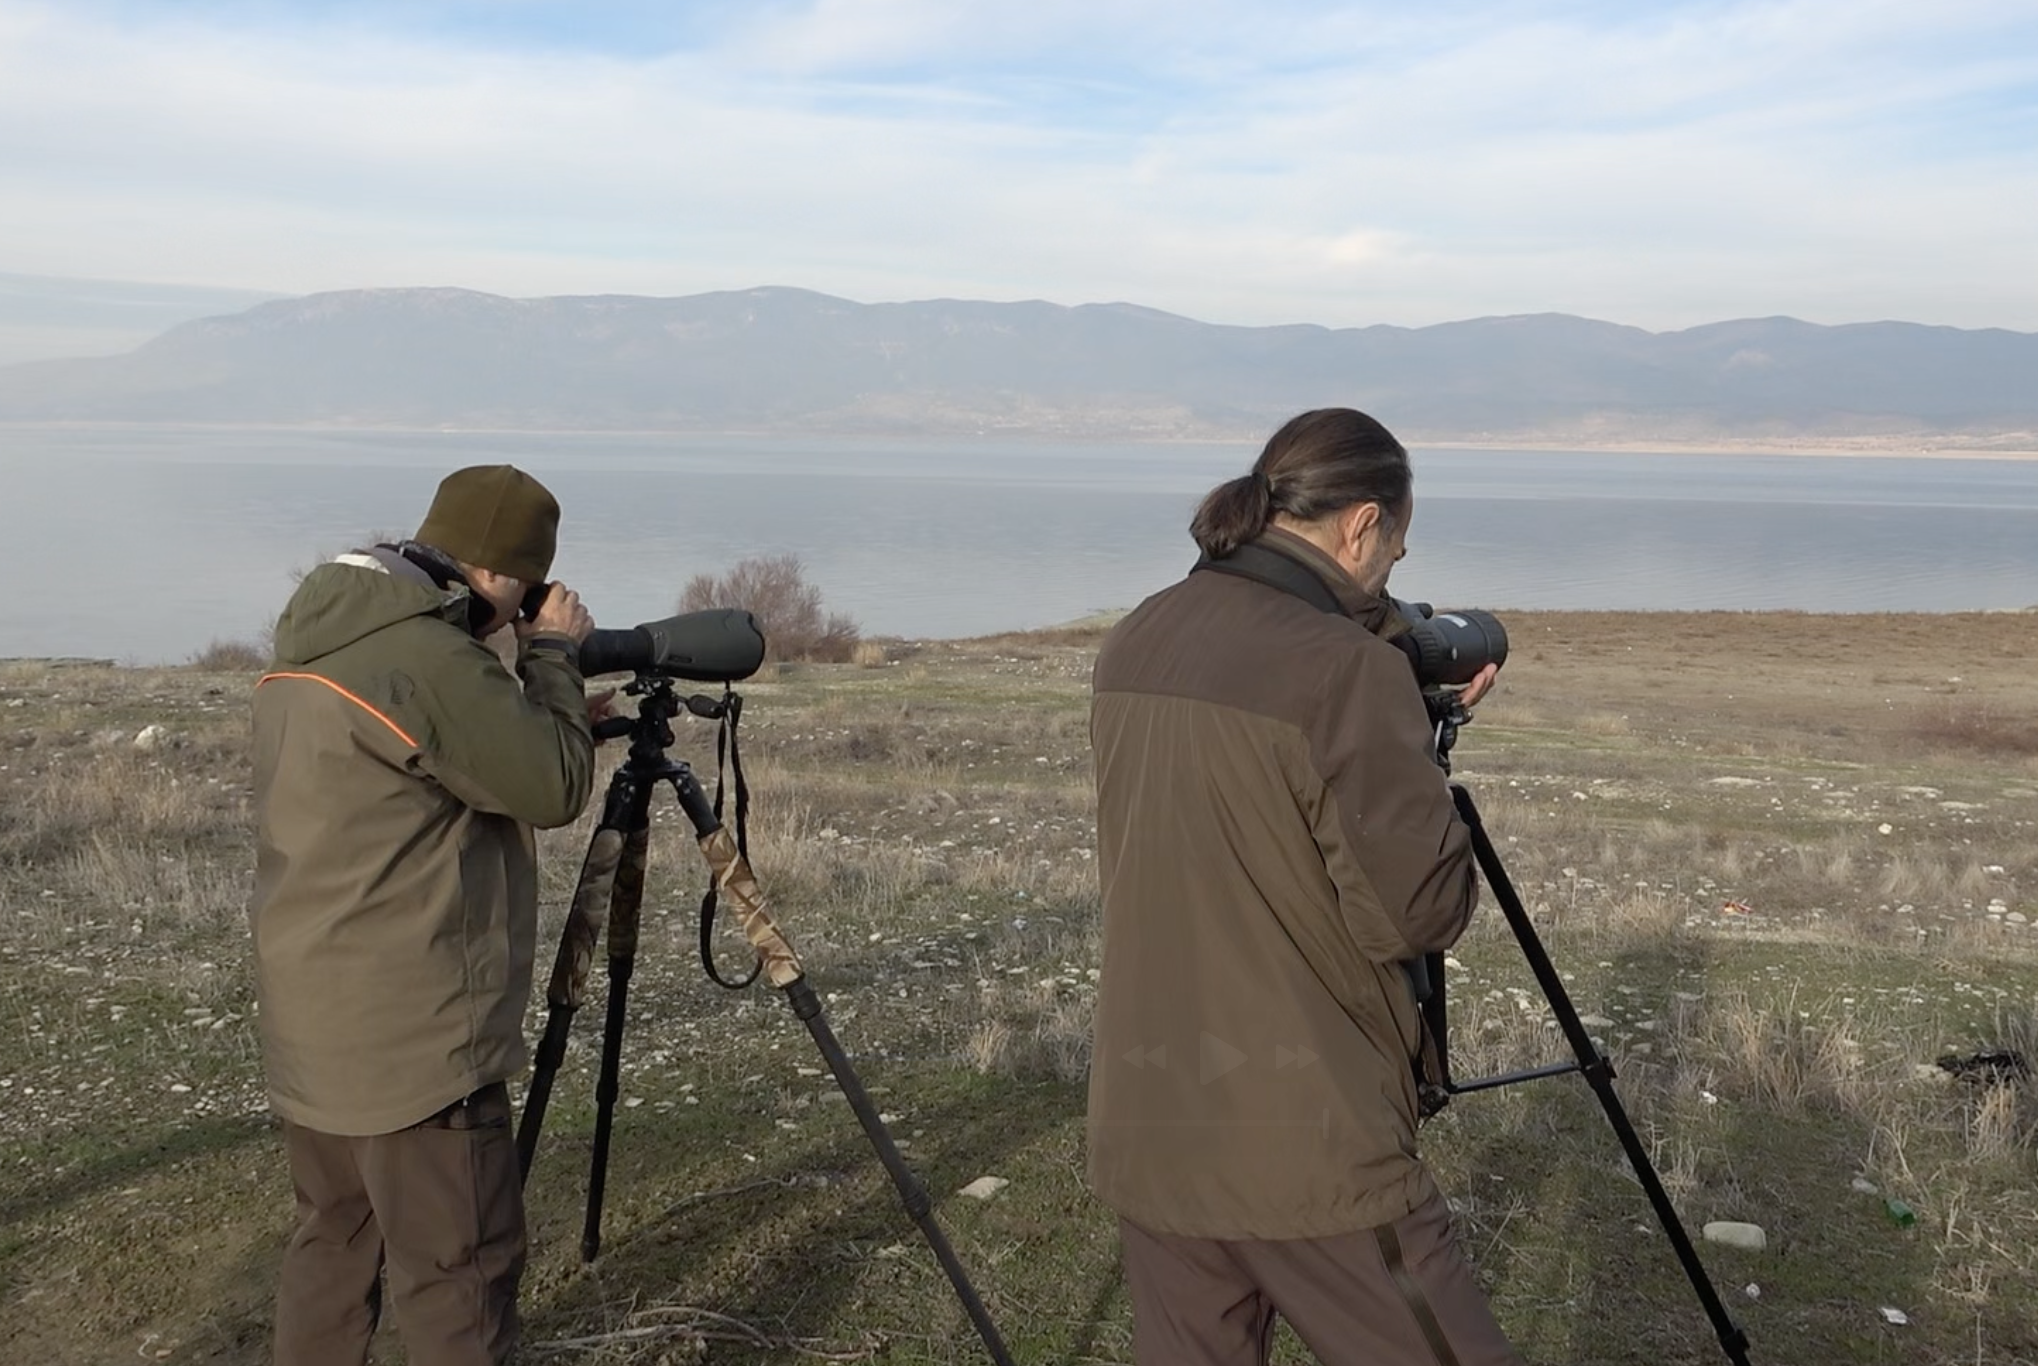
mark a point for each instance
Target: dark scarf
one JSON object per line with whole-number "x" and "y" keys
{"x": 444, "y": 572}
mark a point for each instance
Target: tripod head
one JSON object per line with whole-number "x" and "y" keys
{"x": 1447, "y": 712}
{"x": 650, "y": 731}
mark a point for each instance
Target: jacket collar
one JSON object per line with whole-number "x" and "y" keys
{"x": 1369, "y": 610}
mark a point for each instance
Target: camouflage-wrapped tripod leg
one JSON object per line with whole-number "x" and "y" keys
{"x": 735, "y": 882}
{"x": 585, "y": 919}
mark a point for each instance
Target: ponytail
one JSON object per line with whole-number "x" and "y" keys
{"x": 1231, "y": 514}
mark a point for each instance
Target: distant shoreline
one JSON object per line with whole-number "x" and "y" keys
{"x": 1899, "y": 448}
{"x": 1096, "y": 624}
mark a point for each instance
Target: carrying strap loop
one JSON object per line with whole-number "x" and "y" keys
{"x": 729, "y": 760}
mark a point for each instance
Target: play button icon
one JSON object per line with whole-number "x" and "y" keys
{"x": 1219, "y": 1057}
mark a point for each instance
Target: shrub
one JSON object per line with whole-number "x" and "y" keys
{"x": 231, "y": 657}
{"x": 1979, "y": 728}
{"x": 775, "y": 590}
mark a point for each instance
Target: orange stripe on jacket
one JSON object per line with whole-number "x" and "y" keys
{"x": 363, "y": 705}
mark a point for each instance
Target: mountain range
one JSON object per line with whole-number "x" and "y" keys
{"x": 786, "y": 360}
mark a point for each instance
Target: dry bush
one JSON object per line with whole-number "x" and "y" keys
{"x": 1979, "y": 729}
{"x": 1789, "y": 1058}
{"x": 232, "y": 656}
{"x": 2001, "y": 1111}
{"x": 1036, "y": 1030}
{"x": 774, "y": 589}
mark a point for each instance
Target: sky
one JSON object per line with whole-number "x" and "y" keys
{"x": 1268, "y": 161}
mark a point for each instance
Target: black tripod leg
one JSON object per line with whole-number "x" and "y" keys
{"x": 624, "y": 912}
{"x": 1599, "y": 1072}
{"x": 551, "y": 1053}
{"x": 919, "y": 1206}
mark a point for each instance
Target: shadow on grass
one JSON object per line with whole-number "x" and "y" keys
{"x": 1110, "y": 1290}
{"x": 239, "y": 1329}
{"x": 96, "y": 1162}
{"x": 1581, "y": 1268}
{"x": 813, "y": 1241}
{"x": 1575, "y": 1259}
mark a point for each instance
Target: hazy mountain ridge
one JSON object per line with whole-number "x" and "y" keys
{"x": 789, "y": 360}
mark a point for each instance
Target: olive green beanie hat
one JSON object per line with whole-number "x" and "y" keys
{"x": 495, "y": 517}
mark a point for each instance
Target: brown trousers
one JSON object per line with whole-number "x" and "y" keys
{"x": 441, "y": 1204}
{"x": 1399, "y": 1295}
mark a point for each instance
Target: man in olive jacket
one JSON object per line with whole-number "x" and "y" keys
{"x": 1277, "y": 842}
{"x": 399, "y": 770}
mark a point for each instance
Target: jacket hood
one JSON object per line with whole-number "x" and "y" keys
{"x": 357, "y": 595}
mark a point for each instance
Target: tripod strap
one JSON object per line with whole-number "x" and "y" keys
{"x": 727, "y": 754}
{"x": 1411, "y": 1291}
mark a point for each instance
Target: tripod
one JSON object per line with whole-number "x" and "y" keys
{"x": 610, "y": 894}
{"x": 1589, "y": 1062}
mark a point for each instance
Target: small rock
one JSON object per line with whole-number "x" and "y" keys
{"x": 984, "y": 1187}
{"x": 1884, "y": 829}
{"x": 1595, "y": 1022}
{"x": 151, "y": 737}
{"x": 1732, "y": 1234}
{"x": 1864, "y": 1185}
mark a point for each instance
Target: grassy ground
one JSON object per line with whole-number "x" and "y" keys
{"x": 1785, "y": 863}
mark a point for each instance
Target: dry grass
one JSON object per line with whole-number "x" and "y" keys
{"x": 1774, "y": 973}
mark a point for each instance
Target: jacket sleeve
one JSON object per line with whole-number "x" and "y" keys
{"x": 525, "y": 752}
{"x": 1393, "y": 844}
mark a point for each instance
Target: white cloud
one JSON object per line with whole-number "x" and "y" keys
{"x": 1240, "y": 163}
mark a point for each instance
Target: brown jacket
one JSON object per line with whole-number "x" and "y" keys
{"x": 399, "y": 769}
{"x": 1275, "y": 842}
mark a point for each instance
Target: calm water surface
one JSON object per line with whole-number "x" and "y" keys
{"x": 145, "y": 544}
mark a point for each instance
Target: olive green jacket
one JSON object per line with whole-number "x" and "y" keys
{"x": 399, "y": 769}
{"x": 1275, "y": 841}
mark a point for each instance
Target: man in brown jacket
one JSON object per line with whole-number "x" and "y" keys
{"x": 1277, "y": 842}
{"x": 399, "y": 769}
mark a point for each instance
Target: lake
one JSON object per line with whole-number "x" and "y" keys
{"x": 144, "y": 544}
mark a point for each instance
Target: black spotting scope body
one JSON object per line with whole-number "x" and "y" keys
{"x": 717, "y": 646}
{"x": 1448, "y": 649}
